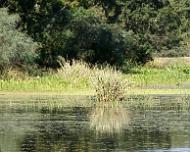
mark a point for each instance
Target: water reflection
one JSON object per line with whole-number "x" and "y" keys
{"x": 169, "y": 150}
{"x": 109, "y": 119}
{"x": 33, "y": 129}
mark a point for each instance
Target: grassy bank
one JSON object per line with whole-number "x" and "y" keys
{"x": 167, "y": 77}
{"x": 172, "y": 72}
{"x": 156, "y": 77}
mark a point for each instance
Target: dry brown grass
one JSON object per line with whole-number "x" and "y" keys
{"x": 165, "y": 62}
{"x": 109, "y": 85}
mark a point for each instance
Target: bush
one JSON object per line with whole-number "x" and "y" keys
{"x": 16, "y": 48}
{"x": 109, "y": 85}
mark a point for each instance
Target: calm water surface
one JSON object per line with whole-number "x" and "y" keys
{"x": 28, "y": 128}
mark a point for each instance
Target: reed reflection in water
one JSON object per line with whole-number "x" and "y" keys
{"x": 109, "y": 118}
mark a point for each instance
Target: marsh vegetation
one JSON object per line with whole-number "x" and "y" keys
{"x": 55, "y": 60}
{"x": 108, "y": 53}
{"x": 82, "y": 78}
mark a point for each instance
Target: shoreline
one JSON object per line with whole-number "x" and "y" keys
{"x": 91, "y": 93}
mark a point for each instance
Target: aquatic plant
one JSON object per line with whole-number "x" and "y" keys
{"x": 141, "y": 102}
{"x": 109, "y": 85}
{"x": 183, "y": 102}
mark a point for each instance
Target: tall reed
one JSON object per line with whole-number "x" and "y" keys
{"x": 109, "y": 84}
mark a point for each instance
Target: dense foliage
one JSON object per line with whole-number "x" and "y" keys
{"x": 99, "y": 31}
{"x": 16, "y": 48}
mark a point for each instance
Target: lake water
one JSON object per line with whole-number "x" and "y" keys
{"x": 25, "y": 127}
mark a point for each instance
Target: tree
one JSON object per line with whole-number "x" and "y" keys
{"x": 159, "y": 23}
{"x": 16, "y": 48}
{"x": 102, "y": 31}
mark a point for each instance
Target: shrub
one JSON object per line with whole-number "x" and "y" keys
{"x": 16, "y": 48}
{"x": 109, "y": 85}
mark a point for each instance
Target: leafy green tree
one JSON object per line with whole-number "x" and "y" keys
{"x": 99, "y": 31}
{"x": 16, "y": 48}
{"x": 159, "y": 23}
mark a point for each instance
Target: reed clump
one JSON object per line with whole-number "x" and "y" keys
{"x": 183, "y": 102}
{"x": 109, "y": 85}
{"x": 76, "y": 73}
{"x": 142, "y": 102}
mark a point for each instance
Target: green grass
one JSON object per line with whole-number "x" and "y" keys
{"x": 175, "y": 75}
{"x": 76, "y": 80}
{"x": 46, "y": 83}
{"x": 158, "y": 77}
{"x": 66, "y": 79}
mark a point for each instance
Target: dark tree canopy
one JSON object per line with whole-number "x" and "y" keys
{"x": 104, "y": 31}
